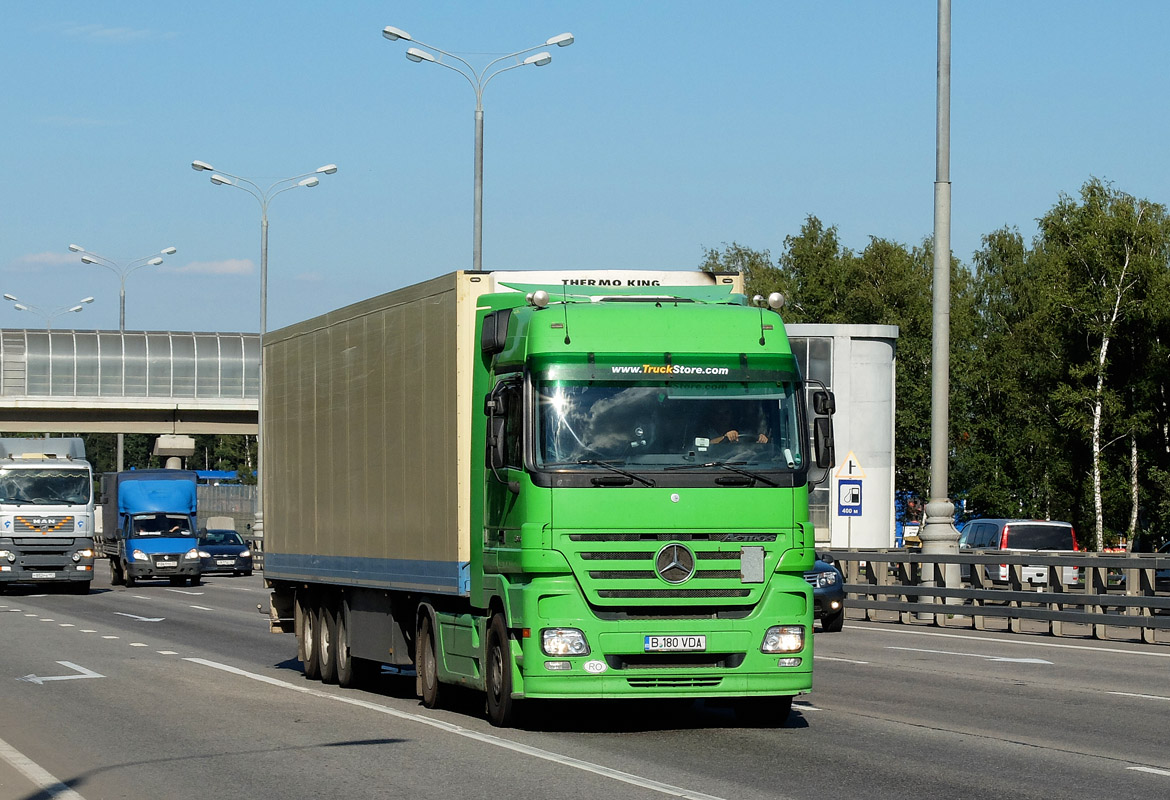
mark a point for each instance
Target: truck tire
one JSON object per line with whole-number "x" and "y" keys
{"x": 178, "y": 580}
{"x": 427, "y": 665}
{"x": 498, "y": 679}
{"x": 764, "y": 712}
{"x": 116, "y": 576}
{"x": 79, "y": 587}
{"x": 127, "y": 578}
{"x": 327, "y": 640}
{"x": 198, "y": 579}
{"x": 311, "y": 663}
{"x": 833, "y": 623}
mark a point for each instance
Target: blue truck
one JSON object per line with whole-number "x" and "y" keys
{"x": 148, "y": 526}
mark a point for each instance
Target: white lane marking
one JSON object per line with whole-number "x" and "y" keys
{"x": 88, "y": 630}
{"x": 536, "y": 752}
{"x": 806, "y": 707}
{"x": 84, "y": 673}
{"x": 140, "y": 596}
{"x": 201, "y": 608}
{"x": 872, "y": 629}
{"x": 68, "y": 625}
{"x": 142, "y": 619}
{"x": 46, "y": 619}
{"x": 167, "y": 653}
{"x": 138, "y": 644}
{"x": 109, "y": 637}
{"x": 832, "y": 658}
{"x": 974, "y": 655}
{"x": 180, "y": 591}
{"x": 1141, "y": 696}
{"x": 32, "y": 615}
{"x": 1151, "y": 769}
{"x": 41, "y": 778}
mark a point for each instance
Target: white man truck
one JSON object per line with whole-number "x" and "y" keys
{"x": 46, "y": 513}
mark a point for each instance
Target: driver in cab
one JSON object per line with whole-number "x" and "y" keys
{"x": 735, "y": 420}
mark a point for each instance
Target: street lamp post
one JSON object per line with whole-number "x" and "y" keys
{"x": 122, "y": 270}
{"x": 264, "y": 197}
{"x": 48, "y": 315}
{"x": 478, "y": 81}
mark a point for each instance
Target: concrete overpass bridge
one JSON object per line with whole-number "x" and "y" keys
{"x": 67, "y": 381}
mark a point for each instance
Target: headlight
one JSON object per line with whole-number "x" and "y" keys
{"x": 4, "y": 554}
{"x": 245, "y": 553}
{"x": 204, "y": 554}
{"x": 783, "y": 639}
{"x": 563, "y": 642}
{"x": 138, "y": 555}
{"x": 827, "y": 578}
{"x": 80, "y": 554}
{"x": 192, "y": 553}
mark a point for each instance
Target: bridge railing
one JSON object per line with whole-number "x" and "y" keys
{"x": 1100, "y": 590}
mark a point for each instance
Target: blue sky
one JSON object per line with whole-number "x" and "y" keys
{"x": 667, "y": 127}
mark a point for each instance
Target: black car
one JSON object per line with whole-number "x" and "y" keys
{"x": 828, "y": 593}
{"x": 224, "y": 551}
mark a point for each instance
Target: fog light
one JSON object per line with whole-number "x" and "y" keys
{"x": 5, "y": 568}
{"x": 783, "y": 639}
{"x": 788, "y": 662}
{"x": 835, "y": 604}
{"x": 557, "y": 665}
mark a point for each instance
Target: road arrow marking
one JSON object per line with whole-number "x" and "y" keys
{"x": 85, "y": 673}
{"x": 975, "y": 655}
{"x": 143, "y": 619}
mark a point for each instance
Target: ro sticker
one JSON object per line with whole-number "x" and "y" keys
{"x": 595, "y": 667}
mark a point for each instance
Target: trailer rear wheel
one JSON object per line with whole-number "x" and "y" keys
{"x": 327, "y": 641}
{"x": 308, "y": 643}
{"x": 500, "y": 706}
{"x": 427, "y": 665}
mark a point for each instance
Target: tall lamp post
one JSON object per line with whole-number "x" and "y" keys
{"x": 478, "y": 81}
{"x": 122, "y": 270}
{"x": 48, "y": 315}
{"x": 264, "y": 197}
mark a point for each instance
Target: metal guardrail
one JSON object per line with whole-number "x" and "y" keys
{"x": 1101, "y": 590}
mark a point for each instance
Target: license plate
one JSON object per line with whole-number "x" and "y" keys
{"x": 675, "y": 644}
{"x": 44, "y": 576}
{"x": 225, "y": 562}
{"x": 166, "y": 563}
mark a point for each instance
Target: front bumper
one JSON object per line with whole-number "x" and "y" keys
{"x": 185, "y": 568}
{"x": 225, "y": 564}
{"x": 731, "y": 665}
{"x": 74, "y": 573}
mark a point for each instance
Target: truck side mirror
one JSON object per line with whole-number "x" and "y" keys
{"x": 495, "y": 405}
{"x": 824, "y": 404}
{"x": 493, "y": 336}
{"x": 823, "y": 441}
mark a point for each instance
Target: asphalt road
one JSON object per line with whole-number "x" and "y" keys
{"x": 159, "y": 691}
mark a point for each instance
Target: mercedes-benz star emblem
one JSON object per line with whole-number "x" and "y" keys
{"x": 675, "y": 563}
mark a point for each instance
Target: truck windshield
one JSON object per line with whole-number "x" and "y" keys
{"x": 668, "y": 425}
{"x": 161, "y": 525}
{"x": 45, "y": 487}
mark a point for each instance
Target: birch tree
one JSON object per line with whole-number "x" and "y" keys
{"x": 1108, "y": 250}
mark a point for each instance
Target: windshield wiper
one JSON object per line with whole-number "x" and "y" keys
{"x": 618, "y": 470}
{"x": 730, "y": 466}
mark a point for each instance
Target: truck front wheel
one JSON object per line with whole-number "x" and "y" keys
{"x": 500, "y": 706}
{"x": 427, "y": 665}
{"x": 117, "y": 578}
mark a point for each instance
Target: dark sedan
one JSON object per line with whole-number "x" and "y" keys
{"x": 224, "y": 551}
{"x": 828, "y": 594}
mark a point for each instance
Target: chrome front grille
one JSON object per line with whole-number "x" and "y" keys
{"x": 33, "y": 523}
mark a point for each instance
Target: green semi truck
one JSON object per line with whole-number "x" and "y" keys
{"x": 547, "y": 485}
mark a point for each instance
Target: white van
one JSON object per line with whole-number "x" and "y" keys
{"x": 1020, "y": 535}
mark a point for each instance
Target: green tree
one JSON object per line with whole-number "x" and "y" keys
{"x": 1107, "y": 253}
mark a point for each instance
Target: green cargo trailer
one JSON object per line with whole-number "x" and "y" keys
{"x": 546, "y": 485}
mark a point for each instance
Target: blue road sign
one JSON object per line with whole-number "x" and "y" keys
{"x": 849, "y": 498}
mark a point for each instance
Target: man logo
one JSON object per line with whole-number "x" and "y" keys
{"x": 675, "y": 563}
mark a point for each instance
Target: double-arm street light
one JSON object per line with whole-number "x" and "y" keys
{"x": 264, "y": 197}
{"x": 48, "y": 314}
{"x": 122, "y": 271}
{"x": 478, "y": 81}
